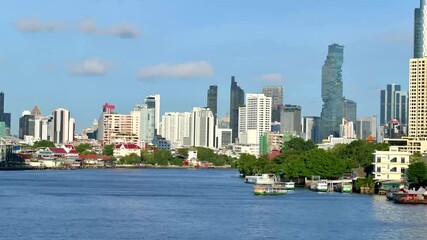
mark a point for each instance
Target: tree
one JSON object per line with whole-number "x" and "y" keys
{"x": 417, "y": 172}
{"x": 84, "y": 147}
{"x": 183, "y": 152}
{"x": 132, "y": 158}
{"x": 162, "y": 157}
{"x": 43, "y": 144}
{"x": 298, "y": 144}
{"x": 108, "y": 150}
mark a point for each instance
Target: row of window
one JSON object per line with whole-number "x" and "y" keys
{"x": 393, "y": 160}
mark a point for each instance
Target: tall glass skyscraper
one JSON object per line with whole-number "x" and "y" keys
{"x": 213, "y": 100}
{"x": 332, "y": 92}
{"x": 350, "y": 110}
{"x": 237, "y": 99}
{"x": 1, "y": 105}
{"x": 420, "y": 23}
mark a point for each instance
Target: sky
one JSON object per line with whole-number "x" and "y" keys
{"x": 81, "y": 54}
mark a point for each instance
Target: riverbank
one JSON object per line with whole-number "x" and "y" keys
{"x": 121, "y": 166}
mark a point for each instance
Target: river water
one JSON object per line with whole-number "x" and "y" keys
{"x": 188, "y": 204}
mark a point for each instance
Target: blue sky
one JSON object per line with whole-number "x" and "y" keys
{"x": 80, "y": 54}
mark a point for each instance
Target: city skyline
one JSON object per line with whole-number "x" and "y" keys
{"x": 52, "y": 51}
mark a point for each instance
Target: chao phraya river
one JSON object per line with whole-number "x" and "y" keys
{"x": 188, "y": 204}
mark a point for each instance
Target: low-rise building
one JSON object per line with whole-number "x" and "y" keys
{"x": 391, "y": 164}
{"x": 122, "y": 150}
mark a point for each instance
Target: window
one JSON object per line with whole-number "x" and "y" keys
{"x": 378, "y": 159}
{"x": 402, "y": 160}
{"x": 378, "y": 169}
{"x": 393, "y": 169}
{"x": 402, "y": 170}
{"x": 393, "y": 160}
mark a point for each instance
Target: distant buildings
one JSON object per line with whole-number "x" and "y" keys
{"x": 254, "y": 118}
{"x": 350, "y": 110}
{"x": 4, "y": 117}
{"x": 395, "y": 106}
{"x": 311, "y": 129}
{"x": 176, "y": 128}
{"x": 202, "y": 127}
{"x": 347, "y": 129}
{"x": 366, "y": 127}
{"x": 332, "y": 92}
{"x": 291, "y": 120}
{"x": 212, "y": 100}
{"x": 64, "y": 126}
{"x": 276, "y": 94}
{"x": 237, "y": 97}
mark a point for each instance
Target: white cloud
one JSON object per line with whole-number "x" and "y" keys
{"x": 32, "y": 25}
{"x": 182, "y": 70}
{"x": 91, "y": 67}
{"x": 122, "y": 30}
{"x": 270, "y": 77}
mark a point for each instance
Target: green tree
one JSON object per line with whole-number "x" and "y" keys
{"x": 108, "y": 150}
{"x": 132, "y": 158}
{"x": 162, "y": 157}
{"x": 183, "y": 152}
{"x": 417, "y": 172}
{"x": 147, "y": 157}
{"x": 43, "y": 144}
{"x": 81, "y": 148}
{"x": 416, "y": 157}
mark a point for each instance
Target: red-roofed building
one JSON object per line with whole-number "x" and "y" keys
{"x": 64, "y": 153}
{"x": 122, "y": 150}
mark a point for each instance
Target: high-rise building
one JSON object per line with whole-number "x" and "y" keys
{"x": 26, "y": 125}
{"x": 4, "y": 117}
{"x": 1, "y": 105}
{"x": 366, "y": 127}
{"x": 153, "y": 102}
{"x": 350, "y": 110}
{"x": 418, "y": 98}
{"x": 63, "y": 126}
{"x": 420, "y": 24}
{"x": 144, "y": 122}
{"x": 176, "y": 128}
{"x": 310, "y": 128}
{"x": 332, "y": 92}
{"x": 291, "y": 120}
{"x": 213, "y": 99}
{"x": 222, "y": 137}
{"x": 394, "y": 106}
{"x": 202, "y": 128}
{"x": 237, "y": 98}
{"x": 347, "y": 129}
{"x": 276, "y": 94}
{"x": 254, "y": 118}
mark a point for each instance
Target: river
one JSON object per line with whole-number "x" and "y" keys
{"x": 188, "y": 204}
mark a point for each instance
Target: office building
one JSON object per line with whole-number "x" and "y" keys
{"x": 276, "y": 94}
{"x": 153, "y": 102}
{"x": 175, "y": 128}
{"x": 332, "y": 92}
{"x": 291, "y": 120}
{"x": 254, "y": 118}
{"x": 311, "y": 128}
{"x": 395, "y": 106}
{"x": 350, "y": 110}
{"x": 212, "y": 100}
{"x": 366, "y": 128}
{"x": 202, "y": 128}
{"x": 26, "y": 125}
{"x": 63, "y": 126}
{"x": 420, "y": 24}
{"x": 237, "y": 97}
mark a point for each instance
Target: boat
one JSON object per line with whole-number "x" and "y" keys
{"x": 252, "y": 179}
{"x": 322, "y": 186}
{"x": 269, "y": 189}
{"x": 267, "y": 179}
{"x": 413, "y": 197}
{"x": 344, "y": 188}
{"x": 289, "y": 185}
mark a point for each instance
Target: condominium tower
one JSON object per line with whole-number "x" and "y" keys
{"x": 332, "y": 92}
{"x": 420, "y": 36}
{"x": 237, "y": 97}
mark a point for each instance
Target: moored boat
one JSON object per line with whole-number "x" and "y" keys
{"x": 252, "y": 179}
{"x": 268, "y": 179}
{"x": 320, "y": 186}
{"x": 289, "y": 185}
{"x": 269, "y": 189}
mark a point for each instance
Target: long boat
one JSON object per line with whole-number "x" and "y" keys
{"x": 269, "y": 189}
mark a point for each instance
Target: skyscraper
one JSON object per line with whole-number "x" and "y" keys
{"x": 213, "y": 99}
{"x": 366, "y": 127}
{"x": 291, "y": 120}
{"x": 332, "y": 92}
{"x": 350, "y": 110}
{"x": 394, "y": 105}
{"x": 420, "y": 37}
{"x": 26, "y": 125}
{"x": 202, "y": 128}
{"x": 276, "y": 94}
{"x": 237, "y": 98}
{"x": 1, "y": 106}
{"x": 153, "y": 102}
{"x": 63, "y": 126}
{"x": 254, "y": 118}
{"x": 310, "y": 129}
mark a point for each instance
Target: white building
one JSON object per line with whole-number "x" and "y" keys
{"x": 347, "y": 129}
{"x": 252, "y": 149}
{"x": 175, "y": 128}
{"x": 153, "y": 102}
{"x": 202, "y": 128}
{"x": 122, "y": 150}
{"x": 390, "y": 165}
{"x": 63, "y": 126}
{"x": 254, "y": 118}
{"x": 223, "y": 137}
{"x": 366, "y": 127}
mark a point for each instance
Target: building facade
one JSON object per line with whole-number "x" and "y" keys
{"x": 255, "y": 118}
{"x": 420, "y": 24}
{"x": 63, "y": 126}
{"x": 390, "y": 165}
{"x": 175, "y": 128}
{"x": 291, "y": 120}
{"x": 366, "y": 127}
{"x": 276, "y": 94}
{"x": 395, "y": 106}
{"x": 332, "y": 92}
{"x": 212, "y": 100}
{"x": 237, "y": 97}
{"x": 311, "y": 128}
{"x": 202, "y": 128}
{"x": 350, "y": 110}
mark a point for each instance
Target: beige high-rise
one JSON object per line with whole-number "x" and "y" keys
{"x": 417, "y": 98}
